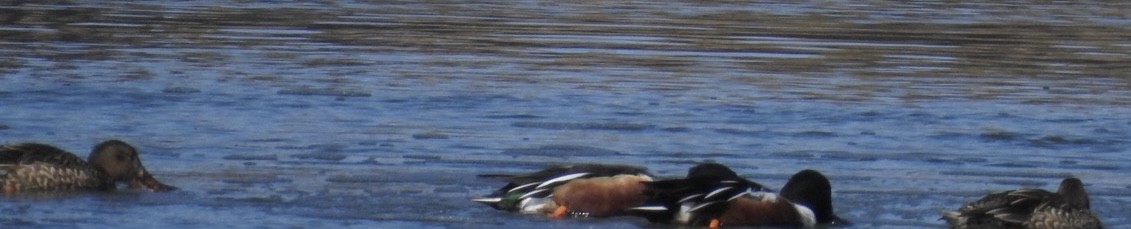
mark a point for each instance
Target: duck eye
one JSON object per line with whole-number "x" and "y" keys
{"x": 122, "y": 157}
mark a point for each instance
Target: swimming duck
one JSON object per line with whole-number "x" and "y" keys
{"x": 30, "y": 167}
{"x": 585, "y": 190}
{"x": 713, "y": 195}
{"x": 1068, "y": 207}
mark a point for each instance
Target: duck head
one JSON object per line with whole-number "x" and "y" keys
{"x": 121, "y": 163}
{"x": 1072, "y": 190}
{"x": 812, "y": 189}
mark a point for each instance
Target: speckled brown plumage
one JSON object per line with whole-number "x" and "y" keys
{"x": 32, "y": 167}
{"x": 1029, "y": 208}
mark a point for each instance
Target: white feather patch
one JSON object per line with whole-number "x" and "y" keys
{"x": 488, "y": 200}
{"x": 684, "y": 214}
{"x": 532, "y": 193}
{"x": 561, "y": 179}
{"x": 523, "y": 186}
{"x": 651, "y": 208}
{"x": 765, "y": 196}
{"x": 702, "y": 205}
{"x": 688, "y": 198}
{"x": 717, "y": 191}
{"x": 748, "y": 192}
{"x": 532, "y": 205}
{"x": 808, "y": 218}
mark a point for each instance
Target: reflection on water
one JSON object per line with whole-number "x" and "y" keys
{"x": 356, "y": 114}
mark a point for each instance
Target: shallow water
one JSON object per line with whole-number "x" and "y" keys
{"x": 359, "y": 114}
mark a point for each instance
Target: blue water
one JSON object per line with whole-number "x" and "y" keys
{"x": 379, "y": 115}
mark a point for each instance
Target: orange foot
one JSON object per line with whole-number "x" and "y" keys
{"x": 559, "y": 212}
{"x": 714, "y": 224}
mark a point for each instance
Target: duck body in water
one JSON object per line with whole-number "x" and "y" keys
{"x": 35, "y": 167}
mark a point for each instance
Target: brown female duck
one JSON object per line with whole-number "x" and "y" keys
{"x": 32, "y": 167}
{"x": 1068, "y": 207}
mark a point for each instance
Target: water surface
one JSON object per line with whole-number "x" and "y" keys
{"x": 358, "y": 114}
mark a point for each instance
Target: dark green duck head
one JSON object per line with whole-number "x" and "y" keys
{"x": 812, "y": 189}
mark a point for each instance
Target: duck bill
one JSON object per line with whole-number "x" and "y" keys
{"x": 145, "y": 180}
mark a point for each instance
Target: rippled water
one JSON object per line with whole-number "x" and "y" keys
{"x": 360, "y": 114}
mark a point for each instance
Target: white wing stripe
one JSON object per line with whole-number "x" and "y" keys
{"x": 561, "y": 179}
{"x": 717, "y": 191}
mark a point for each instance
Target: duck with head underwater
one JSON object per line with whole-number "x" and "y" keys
{"x": 34, "y": 167}
{"x": 584, "y": 190}
{"x": 713, "y": 195}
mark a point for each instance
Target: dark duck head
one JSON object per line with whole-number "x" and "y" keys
{"x": 121, "y": 163}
